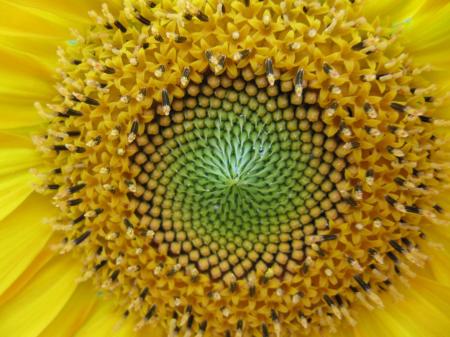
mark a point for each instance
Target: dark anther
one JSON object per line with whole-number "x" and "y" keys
{"x": 80, "y": 149}
{"x": 108, "y": 26}
{"x": 438, "y": 208}
{"x": 150, "y": 312}
{"x": 390, "y": 200}
{"x": 372, "y": 251}
{"x": 72, "y": 112}
{"x": 269, "y": 67}
{"x": 127, "y": 223}
{"x": 82, "y": 237}
{"x": 265, "y": 330}
{"x": 352, "y": 202}
{"x": 108, "y": 70}
{"x": 190, "y": 321}
{"x": 151, "y": 4}
{"x": 120, "y": 26}
{"x": 99, "y": 265}
{"x": 53, "y": 186}
{"x": 240, "y": 325}
{"x": 74, "y": 202}
{"x": 79, "y": 219}
{"x": 99, "y": 250}
{"x": 159, "y": 38}
{"x": 203, "y": 325}
{"x": 252, "y": 291}
{"x": 354, "y": 289}
{"x": 387, "y": 282}
{"x": 115, "y": 274}
{"x": 74, "y": 133}
{"x": 247, "y": 3}
{"x": 202, "y": 16}
{"x": 57, "y": 171}
{"x": 329, "y": 237}
{"x": 134, "y": 127}
{"x": 233, "y": 287}
{"x": 396, "y": 246}
{"x": 412, "y": 209}
{"x": 429, "y": 99}
{"x": 126, "y": 313}
{"x": 355, "y": 144}
{"x": 76, "y": 62}
{"x": 426, "y": 119}
{"x": 299, "y": 77}
{"x": 361, "y": 282}
{"x": 59, "y": 148}
{"x": 91, "y": 101}
{"x": 188, "y": 16}
{"x": 358, "y": 46}
{"x": 398, "y": 107}
{"x": 392, "y": 256}
{"x": 274, "y": 315}
{"x": 327, "y": 68}
{"x": 143, "y": 20}
{"x": 339, "y": 300}
{"x": 399, "y": 181}
{"x": 145, "y": 45}
{"x": 407, "y": 242}
{"x": 76, "y": 188}
{"x": 227, "y": 333}
{"x": 328, "y": 300}
{"x": 144, "y": 293}
{"x": 165, "y": 97}
{"x": 180, "y": 39}
{"x": 175, "y": 315}
{"x": 244, "y": 53}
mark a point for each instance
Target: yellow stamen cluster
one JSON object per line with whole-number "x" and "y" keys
{"x": 129, "y": 83}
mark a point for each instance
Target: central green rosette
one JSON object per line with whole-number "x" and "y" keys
{"x": 238, "y": 178}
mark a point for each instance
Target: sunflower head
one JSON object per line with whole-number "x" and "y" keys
{"x": 243, "y": 168}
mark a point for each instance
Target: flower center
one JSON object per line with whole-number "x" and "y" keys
{"x": 235, "y": 180}
{"x": 243, "y": 167}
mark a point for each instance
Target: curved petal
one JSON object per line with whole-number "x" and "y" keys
{"x": 424, "y": 31}
{"x": 393, "y": 11}
{"x": 424, "y": 313}
{"x": 106, "y": 321}
{"x": 14, "y": 189}
{"x": 17, "y": 153}
{"x": 74, "y": 314}
{"x": 22, "y": 237}
{"x": 30, "y": 31}
{"x": 32, "y": 310}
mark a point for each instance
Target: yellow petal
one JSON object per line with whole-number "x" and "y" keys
{"x": 393, "y": 11}
{"x": 423, "y": 313}
{"x": 76, "y": 311}
{"x": 22, "y": 236}
{"x": 14, "y": 189}
{"x": 29, "y": 35}
{"x": 32, "y": 310}
{"x": 17, "y": 153}
{"x": 106, "y": 321}
{"x": 428, "y": 40}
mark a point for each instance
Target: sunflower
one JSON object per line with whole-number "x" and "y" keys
{"x": 224, "y": 168}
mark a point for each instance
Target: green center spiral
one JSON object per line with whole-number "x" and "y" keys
{"x": 238, "y": 176}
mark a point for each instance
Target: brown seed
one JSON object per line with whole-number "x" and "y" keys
{"x": 193, "y": 90}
